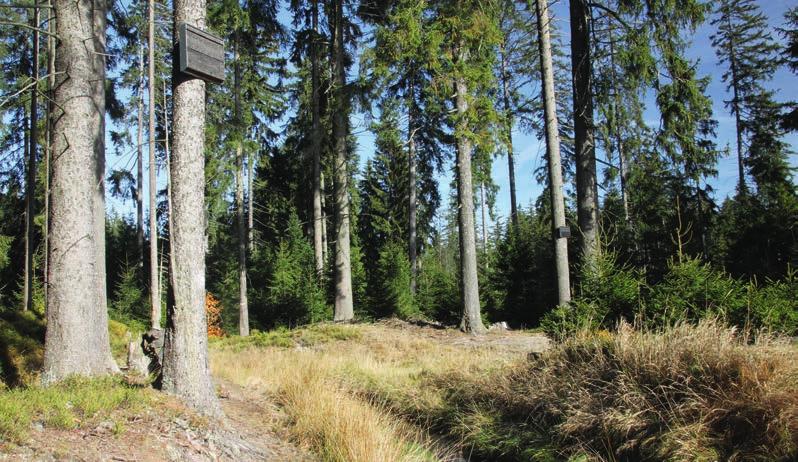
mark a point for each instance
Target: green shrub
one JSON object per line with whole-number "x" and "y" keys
{"x": 775, "y": 306}
{"x": 608, "y": 292}
{"x": 293, "y": 295}
{"x": 437, "y": 290}
{"x": 130, "y": 299}
{"x": 392, "y": 293}
{"x": 693, "y": 290}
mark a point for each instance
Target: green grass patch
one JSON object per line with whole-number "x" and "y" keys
{"x": 282, "y": 337}
{"x": 121, "y": 332}
{"x": 73, "y": 403}
{"x": 21, "y": 347}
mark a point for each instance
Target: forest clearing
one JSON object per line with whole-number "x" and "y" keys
{"x": 399, "y": 230}
{"x": 396, "y": 391}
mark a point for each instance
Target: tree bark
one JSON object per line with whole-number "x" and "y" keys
{"x": 508, "y": 127}
{"x": 315, "y": 146}
{"x": 324, "y": 243}
{"x": 250, "y": 203}
{"x": 155, "y": 293}
{"x": 412, "y": 244}
{"x": 584, "y": 143}
{"x": 185, "y": 365}
{"x": 76, "y": 341}
{"x": 243, "y": 302}
{"x": 484, "y": 220}
{"x": 30, "y": 188}
{"x": 553, "y": 153}
{"x": 471, "y": 320}
{"x": 140, "y": 161}
{"x": 48, "y": 151}
{"x": 344, "y": 310}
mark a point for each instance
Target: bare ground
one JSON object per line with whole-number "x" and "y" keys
{"x": 253, "y": 430}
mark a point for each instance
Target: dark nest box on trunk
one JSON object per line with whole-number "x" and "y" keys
{"x": 201, "y": 54}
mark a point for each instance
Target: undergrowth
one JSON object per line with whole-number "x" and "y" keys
{"x": 686, "y": 392}
{"x": 311, "y": 335}
{"x": 73, "y": 403}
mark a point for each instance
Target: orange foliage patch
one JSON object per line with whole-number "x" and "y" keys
{"x": 213, "y": 314}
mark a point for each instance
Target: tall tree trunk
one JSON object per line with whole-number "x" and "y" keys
{"x": 484, "y": 220}
{"x": 250, "y": 203}
{"x": 76, "y": 341}
{"x": 344, "y": 310}
{"x": 155, "y": 293}
{"x": 508, "y": 127}
{"x": 584, "y": 143}
{"x": 243, "y": 303}
{"x": 553, "y": 153}
{"x": 48, "y": 151}
{"x": 471, "y": 320}
{"x": 412, "y": 244}
{"x": 616, "y": 97}
{"x": 30, "y": 188}
{"x": 315, "y": 146}
{"x": 140, "y": 161}
{"x": 324, "y": 243}
{"x": 185, "y": 364}
{"x": 168, "y": 159}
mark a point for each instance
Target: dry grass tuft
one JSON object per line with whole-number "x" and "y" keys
{"x": 689, "y": 392}
{"x": 314, "y": 386}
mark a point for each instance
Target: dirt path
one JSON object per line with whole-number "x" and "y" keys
{"x": 515, "y": 341}
{"x": 251, "y": 431}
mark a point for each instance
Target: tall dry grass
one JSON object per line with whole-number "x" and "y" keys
{"x": 687, "y": 393}
{"x": 319, "y": 388}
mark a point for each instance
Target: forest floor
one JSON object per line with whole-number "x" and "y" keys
{"x": 165, "y": 430}
{"x": 399, "y": 391}
{"x": 263, "y": 397}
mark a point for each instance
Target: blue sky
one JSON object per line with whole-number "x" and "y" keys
{"x": 529, "y": 150}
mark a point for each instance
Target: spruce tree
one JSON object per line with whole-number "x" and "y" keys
{"x": 747, "y": 51}
{"x": 471, "y": 33}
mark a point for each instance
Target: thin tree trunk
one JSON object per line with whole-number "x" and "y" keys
{"x": 243, "y": 303}
{"x": 48, "y": 151}
{"x": 168, "y": 158}
{"x": 155, "y": 295}
{"x": 250, "y": 202}
{"x": 324, "y": 243}
{"x": 161, "y": 284}
{"x": 484, "y": 221}
{"x": 622, "y": 164}
{"x": 553, "y": 153}
{"x": 412, "y": 244}
{"x": 140, "y": 160}
{"x": 30, "y": 189}
{"x": 315, "y": 146}
{"x": 584, "y": 143}
{"x": 76, "y": 340}
{"x": 185, "y": 365}
{"x": 344, "y": 310}
{"x": 471, "y": 320}
{"x": 508, "y": 126}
